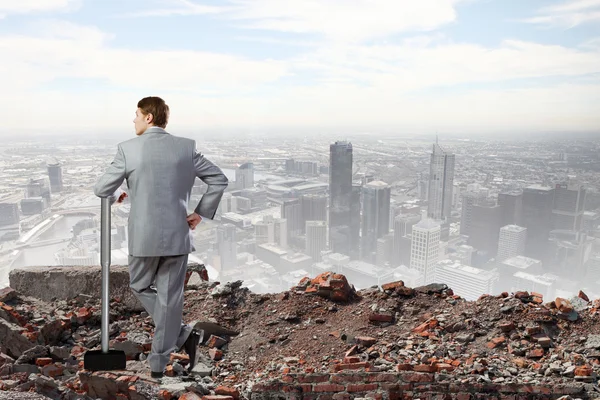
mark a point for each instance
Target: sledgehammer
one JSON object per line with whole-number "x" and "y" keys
{"x": 105, "y": 359}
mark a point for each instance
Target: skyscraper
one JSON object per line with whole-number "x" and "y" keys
{"x": 512, "y": 207}
{"x": 39, "y": 187}
{"x": 291, "y": 211}
{"x": 55, "y": 176}
{"x": 485, "y": 228}
{"x": 313, "y": 208}
{"x": 316, "y": 239}
{"x": 340, "y": 196}
{"x": 227, "y": 246}
{"x": 441, "y": 183}
{"x": 403, "y": 225}
{"x": 244, "y": 176}
{"x": 512, "y": 242}
{"x": 425, "y": 247}
{"x": 538, "y": 202}
{"x": 375, "y": 216}
{"x": 469, "y": 200}
{"x": 569, "y": 206}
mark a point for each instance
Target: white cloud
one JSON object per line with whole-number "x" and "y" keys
{"x": 178, "y": 7}
{"x": 66, "y": 50}
{"x": 346, "y": 20}
{"x": 29, "y": 6}
{"x": 338, "y": 20}
{"x": 333, "y": 85}
{"x": 568, "y": 14}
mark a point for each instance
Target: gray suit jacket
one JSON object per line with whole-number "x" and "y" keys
{"x": 160, "y": 170}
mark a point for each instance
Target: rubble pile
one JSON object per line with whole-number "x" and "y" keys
{"x": 320, "y": 338}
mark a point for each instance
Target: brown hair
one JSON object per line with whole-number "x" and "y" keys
{"x": 157, "y": 107}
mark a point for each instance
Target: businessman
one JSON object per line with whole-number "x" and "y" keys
{"x": 160, "y": 170}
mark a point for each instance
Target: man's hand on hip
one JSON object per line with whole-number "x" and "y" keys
{"x": 193, "y": 220}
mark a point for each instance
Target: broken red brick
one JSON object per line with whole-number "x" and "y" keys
{"x": 563, "y": 305}
{"x": 228, "y": 391}
{"x": 583, "y": 296}
{"x": 40, "y": 362}
{"x": 392, "y": 285}
{"x": 215, "y": 354}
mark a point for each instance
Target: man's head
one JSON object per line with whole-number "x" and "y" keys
{"x": 151, "y": 111}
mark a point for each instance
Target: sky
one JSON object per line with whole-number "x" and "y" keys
{"x": 408, "y": 66}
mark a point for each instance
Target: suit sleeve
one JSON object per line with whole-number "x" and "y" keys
{"x": 109, "y": 183}
{"x": 216, "y": 181}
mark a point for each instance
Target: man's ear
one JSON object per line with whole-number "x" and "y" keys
{"x": 149, "y": 118}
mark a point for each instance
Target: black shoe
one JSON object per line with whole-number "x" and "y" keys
{"x": 191, "y": 346}
{"x": 156, "y": 375}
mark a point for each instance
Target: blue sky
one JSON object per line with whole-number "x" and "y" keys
{"x": 414, "y": 66}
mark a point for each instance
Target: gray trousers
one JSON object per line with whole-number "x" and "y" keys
{"x": 158, "y": 283}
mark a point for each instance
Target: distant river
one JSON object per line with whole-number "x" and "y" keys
{"x": 45, "y": 255}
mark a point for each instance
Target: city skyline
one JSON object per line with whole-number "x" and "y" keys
{"x": 454, "y": 66}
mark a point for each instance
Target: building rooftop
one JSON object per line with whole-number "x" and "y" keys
{"x": 521, "y": 262}
{"x": 513, "y": 228}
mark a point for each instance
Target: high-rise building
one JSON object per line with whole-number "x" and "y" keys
{"x": 9, "y": 221}
{"x": 467, "y": 282}
{"x": 569, "y": 206}
{"x": 441, "y": 183}
{"x": 425, "y": 247}
{"x": 469, "y": 200}
{"x": 485, "y": 228}
{"x": 9, "y": 214}
{"x": 512, "y": 207}
{"x": 375, "y": 216}
{"x": 316, "y": 239}
{"x": 402, "y": 228}
{"x": 313, "y": 208}
{"x": 568, "y": 252}
{"x": 340, "y": 196}
{"x": 385, "y": 245}
{"x": 291, "y": 211}
{"x": 538, "y": 202}
{"x": 281, "y": 232}
{"x": 512, "y": 242}
{"x": 55, "y": 176}
{"x": 264, "y": 231}
{"x": 354, "y": 232}
{"x": 39, "y": 187}
{"x": 244, "y": 176}
{"x": 227, "y": 246}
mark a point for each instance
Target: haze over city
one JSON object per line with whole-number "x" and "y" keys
{"x": 430, "y": 141}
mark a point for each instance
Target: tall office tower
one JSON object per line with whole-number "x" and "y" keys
{"x": 467, "y": 282}
{"x": 456, "y": 193}
{"x": 375, "y": 217}
{"x": 569, "y": 206}
{"x": 9, "y": 214}
{"x": 512, "y": 207}
{"x": 469, "y": 200}
{"x": 244, "y": 176}
{"x": 227, "y": 246}
{"x": 9, "y": 221}
{"x": 264, "y": 231}
{"x": 55, "y": 176}
{"x": 290, "y": 210}
{"x": 441, "y": 183}
{"x": 340, "y": 196}
{"x": 425, "y": 247}
{"x": 313, "y": 208}
{"x": 281, "y": 232}
{"x": 485, "y": 228}
{"x": 512, "y": 242}
{"x": 384, "y": 250}
{"x": 355, "y": 203}
{"x": 316, "y": 239}
{"x": 537, "y": 218}
{"x": 569, "y": 252}
{"x": 39, "y": 187}
{"x": 402, "y": 227}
